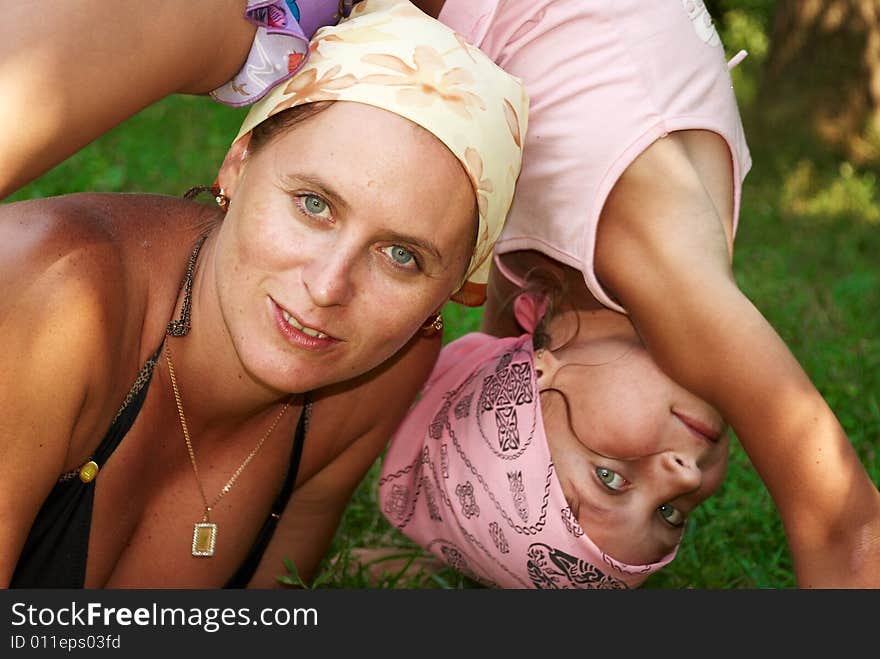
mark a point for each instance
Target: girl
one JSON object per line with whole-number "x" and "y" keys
{"x": 630, "y": 195}
{"x": 561, "y": 458}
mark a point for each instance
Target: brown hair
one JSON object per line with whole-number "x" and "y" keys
{"x": 544, "y": 284}
{"x": 265, "y": 132}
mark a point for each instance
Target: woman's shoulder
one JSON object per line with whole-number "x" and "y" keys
{"x": 86, "y": 260}
{"x": 78, "y": 278}
{"x": 57, "y": 248}
{"x": 58, "y": 226}
{"x": 56, "y": 272}
{"x": 87, "y": 241}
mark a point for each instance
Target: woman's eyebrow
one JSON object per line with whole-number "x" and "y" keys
{"x": 321, "y": 186}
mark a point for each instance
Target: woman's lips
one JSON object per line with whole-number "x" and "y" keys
{"x": 299, "y": 333}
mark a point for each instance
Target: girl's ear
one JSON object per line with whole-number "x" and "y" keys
{"x": 233, "y": 164}
{"x": 546, "y": 365}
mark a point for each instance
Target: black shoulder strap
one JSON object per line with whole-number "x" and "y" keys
{"x": 125, "y": 416}
{"x": 246, "y": 571}
{"x": 56, "y": 549}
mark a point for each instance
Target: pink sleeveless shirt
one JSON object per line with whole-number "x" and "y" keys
{"x": 606, "y": 79}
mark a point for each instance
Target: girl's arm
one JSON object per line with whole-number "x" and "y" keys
{"x": 663, "y": 252}
{"x": 71, "y": 70}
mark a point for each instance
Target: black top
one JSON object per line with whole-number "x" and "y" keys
{"x": 56, "y": 549}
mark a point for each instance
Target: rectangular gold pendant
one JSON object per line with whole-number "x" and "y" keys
{"x": 204, "y": 539}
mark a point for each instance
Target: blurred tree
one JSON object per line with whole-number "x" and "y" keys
{"x": 761, "y": 10}
{"x": 821, "y": 82}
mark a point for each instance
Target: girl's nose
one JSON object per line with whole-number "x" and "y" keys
{"x": 682, "y": 470}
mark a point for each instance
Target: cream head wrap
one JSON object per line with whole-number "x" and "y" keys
{"x": 389, "y": 54}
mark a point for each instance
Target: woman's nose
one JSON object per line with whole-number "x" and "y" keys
{"x": 328, "y": 278}
{"x": 682, "y": 470}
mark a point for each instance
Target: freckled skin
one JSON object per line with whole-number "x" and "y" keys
{"x": 334, "y": 274}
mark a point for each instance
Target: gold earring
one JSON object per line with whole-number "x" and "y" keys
{"x": 435, "y": 325}
{"x": 222, "y": 200}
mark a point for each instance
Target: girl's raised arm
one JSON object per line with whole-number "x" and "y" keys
{"x": 663, "y": 251}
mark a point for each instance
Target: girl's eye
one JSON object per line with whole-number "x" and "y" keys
{"x": 400, "y": 255}
{"x": 611, "y": 479}
{"x": 314, "y": 205}
{"x": 671, "y": 515}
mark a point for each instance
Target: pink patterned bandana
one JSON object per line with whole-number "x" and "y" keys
{"x": 468, "y": 475}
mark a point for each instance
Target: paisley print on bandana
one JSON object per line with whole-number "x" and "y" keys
{"x": 503, "y": 393}
{"x": 518, "y": 492}
{"x": 454, "y": 558}
{"x": 469, "y": 507}
{"x": 430, "y": 500}
{"x": 569, "y": 521}
{"x": 498, "y": 538}
{"x": 552, "y": 568}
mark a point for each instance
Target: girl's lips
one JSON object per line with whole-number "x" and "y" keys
{"x": 703, "y": 429}
{"x": 299, "y": 334}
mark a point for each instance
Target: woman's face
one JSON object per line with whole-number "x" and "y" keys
{"x": 343, "y": 235}
{"x": 635, "y": 453}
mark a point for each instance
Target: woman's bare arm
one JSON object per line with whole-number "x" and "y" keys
{"x": 663, "y": 252}
{"x": 354, "y": 421}
{"x": 51, "y": 330}
{"x": 73, "y": 69}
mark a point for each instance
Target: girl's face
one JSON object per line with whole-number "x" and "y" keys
{"x": 634, "y": 452}
{"x": 343, "y": 235}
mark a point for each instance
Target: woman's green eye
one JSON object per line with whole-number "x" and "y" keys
{"x": 610, "y": 479}
{"x": 671, "y": 514}
{"x": 314, "y": 204}
{"x": 400, "y": 255}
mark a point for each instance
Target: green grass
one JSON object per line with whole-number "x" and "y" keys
{"x": 168, "y": 148}
{"x": 806, "y": 254}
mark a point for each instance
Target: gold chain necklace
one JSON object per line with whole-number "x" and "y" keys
{"x": 205, "y": 532}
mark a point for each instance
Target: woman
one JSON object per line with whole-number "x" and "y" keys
{"x": 332, "y": 254}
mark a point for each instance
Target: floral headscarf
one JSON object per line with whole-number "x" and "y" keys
{"x": 389, "y": 54}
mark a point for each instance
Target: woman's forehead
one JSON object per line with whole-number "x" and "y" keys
{"x": 373, "y": 164}
{"x": 355, "y": 144}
